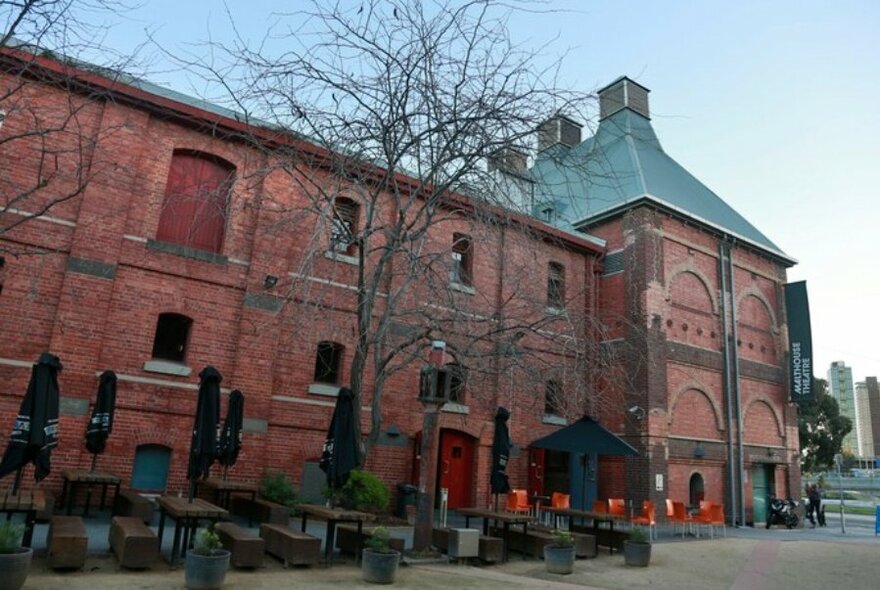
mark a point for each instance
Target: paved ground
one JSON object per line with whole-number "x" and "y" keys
{"x": 746, "y": 559}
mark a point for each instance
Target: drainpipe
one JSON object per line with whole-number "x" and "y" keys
{"x": 731, "y": 474}
{"x": 738, "y": 406}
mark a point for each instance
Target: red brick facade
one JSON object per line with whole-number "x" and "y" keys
{"x": 91, "y": 281}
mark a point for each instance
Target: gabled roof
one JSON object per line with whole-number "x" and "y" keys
{"x": 624, "y": 165}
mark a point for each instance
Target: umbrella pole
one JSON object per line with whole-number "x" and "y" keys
{"x": 225, "y": 472}
{"x": 585, "y": 463}
{"x": 192, "y": 490}
{"x": 17, "y": 483}
{"x": 94, "y": 460}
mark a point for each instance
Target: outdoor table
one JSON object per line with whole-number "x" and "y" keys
{"x": 78, "y": 477}
{"x": 334, "y": 516}
{"x": 187, "y": 516}
{"x": 506, "y": 518}
{"x": 224, "y": 488}
{"x": 537, "y": 499}
{"x": 27, "y": 503}
{"x": 596, "y": 517}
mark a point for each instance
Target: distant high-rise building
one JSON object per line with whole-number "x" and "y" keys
{"x": 874, "y": 403}
{"x": 840, "y": 385}
{"x": 864, "y": 432}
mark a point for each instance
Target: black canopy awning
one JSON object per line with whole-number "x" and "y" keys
{"x": 585, "y": 436}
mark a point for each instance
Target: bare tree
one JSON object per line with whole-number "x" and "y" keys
{"x": 417, "y": 120}
{"x": 49, "y": 142}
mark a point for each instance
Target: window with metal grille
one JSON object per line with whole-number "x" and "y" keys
{"x": 196, "y": 201}
{"x": 343, "y": 232}
{"x": 462, "y": 260}
{"x": 553, "y": 398}
{"x": 172, "y": 336}
{"x": 327, "y": 362}
{"x": 555, "y": 285}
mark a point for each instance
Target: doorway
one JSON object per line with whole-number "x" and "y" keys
{"x": 150, "y": 472}
{"x": 456, "y": 468}
{"x": 696, "y": 490}
{"x": 763, "y": 486}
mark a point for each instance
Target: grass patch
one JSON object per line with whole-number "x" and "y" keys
{"x": 835, "y": 508}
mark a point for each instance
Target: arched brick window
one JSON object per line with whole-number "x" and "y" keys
{"x": 196, "y": 201}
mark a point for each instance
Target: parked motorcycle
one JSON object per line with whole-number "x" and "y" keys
{"x": 782, "y": 512}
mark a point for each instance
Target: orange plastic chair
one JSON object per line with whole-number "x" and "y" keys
{"x": 716, "y": 519}
{"x": 559, "y": 500}
{"x": 617, "y": 506}
{"x": 518, "y": 502}
{"x": 647, "y": 518}
{"x": 703, "y": 517}
{"x": 600, "y": 506}
{"x": 682, "y": 517}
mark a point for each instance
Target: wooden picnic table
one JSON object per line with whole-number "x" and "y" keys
{"x": 27, "y": 503}
{"x": 74, "y": 478}
{"x": 224, "y": 488}
{"x": 596, "y": 517}
{"x": 334, "y": 516}
{"x": 187, "y": 516}
{"x": 506, "y": 518}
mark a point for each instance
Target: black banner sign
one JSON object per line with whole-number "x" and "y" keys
{"x": 800, "y": 341}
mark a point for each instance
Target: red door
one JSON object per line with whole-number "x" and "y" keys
{"x": 536, "y": 472}
{"x": 456, "y": 468}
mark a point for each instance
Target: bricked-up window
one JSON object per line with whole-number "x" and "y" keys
{"x": 555, "y": 285}
{"x": 450, "y": 382}
{"x": 343, "y": 232}
{"x": 462, "y": 260}
{"x": 172, "y": 336}
{"x": 553, "y": 398}
{"x": 196, "y": 201}
{"x": 328, "y": 360}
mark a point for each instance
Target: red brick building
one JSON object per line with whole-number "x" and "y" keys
{"x": 113, "y": 276}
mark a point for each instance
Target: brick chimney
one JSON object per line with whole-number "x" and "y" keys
{"x": 621, "y": 94}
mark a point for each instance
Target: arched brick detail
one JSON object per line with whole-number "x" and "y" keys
{"x": 473, "y": 428}
{"x": 754, "y": 405}
{"x": 167, "y": 437}
{"x": 689, "y": 267}
{"x": 698, "y": 390}
{"x": 753, "y": 291}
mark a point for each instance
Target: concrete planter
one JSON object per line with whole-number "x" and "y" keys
{"x": 14, "y": 568}
{"x": 559, "y": 560}
{"x": 379, "y": 568}
{"x": 206, "y": 572}
{"x": 637, "y": 554}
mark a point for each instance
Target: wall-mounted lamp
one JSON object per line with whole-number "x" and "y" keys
{"x": 393, "y": 431}
{"x": 699, "y": 451}
{"x": 270, "y": 281}
{"x": 637, "y": 412}
{"x": 771, "y": 452}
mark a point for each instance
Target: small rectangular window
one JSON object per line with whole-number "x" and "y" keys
{"x": 462, "y": 260}
{"x": 327, "y": 363}
{"x": 450, "y": 383}
{"x": 172, "y": 334}
{"x": 555, "y": 286}
{"x": 344, "y": 228}
{"x": 552, "y": 398}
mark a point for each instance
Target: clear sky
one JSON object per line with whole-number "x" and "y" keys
{"x": 772, "y": 104}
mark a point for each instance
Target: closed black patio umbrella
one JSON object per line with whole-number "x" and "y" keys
{"x": 35, "y": 433}
{"x": 203, "y": 448}
{"x": 101, "y": 423}
{"x": 230, "y": 437}
{"x": 500, "y": 454}
{"x": 341, "y": 449}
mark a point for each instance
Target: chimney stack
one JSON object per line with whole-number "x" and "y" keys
{"x": 559, "y": 130}
{"x": 621, "y": 94}
{"x": 509, "y": 160}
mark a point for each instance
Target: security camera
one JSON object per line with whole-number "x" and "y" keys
{"x": 637, "y": 412}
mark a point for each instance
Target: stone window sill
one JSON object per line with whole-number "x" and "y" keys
{"x": 462, "y": 288}
{"x": 455, "y": 408}
{"x": 324, "y": 389}
{"x": 167, "y": 368}
{"x": 340, "y": 257}
{"x": 553, "y": 419}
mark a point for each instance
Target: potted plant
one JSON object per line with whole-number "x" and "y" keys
{"x": 207, "y": 562}
{"x": 637, "y": 549}
{"x": 559, "y": 554}
{"x": 15, "y": 560}
{"x": 379, "y": 561}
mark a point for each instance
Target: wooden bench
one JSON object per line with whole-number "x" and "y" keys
{"x": 534, "y": 541}
{"x": 290, "y": 546}
{"x": 130, "y": 503}
{"x": 260, "y": 510}
{"x": 67, "y": 543}
{"x": 247, "y": 549}
{"x": 133, "y": 542}
{"x": 491, "y": 549}
{"x": 347, "y": 539}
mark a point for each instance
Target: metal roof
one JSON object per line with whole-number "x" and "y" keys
{"x": 624, "y": 165}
